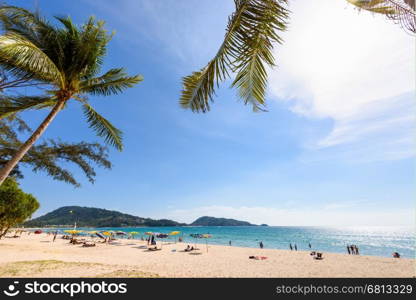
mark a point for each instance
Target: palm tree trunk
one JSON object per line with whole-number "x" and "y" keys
{"x": 9, "y": 166}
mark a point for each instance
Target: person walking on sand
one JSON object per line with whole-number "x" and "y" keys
{"x": 261, "y": 244}
{"x": 290, "y": 245}
{"x": 348, "y": 249}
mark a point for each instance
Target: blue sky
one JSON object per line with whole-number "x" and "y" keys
{"x": 335, "y": 148}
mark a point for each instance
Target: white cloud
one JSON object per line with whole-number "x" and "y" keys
{"x": 355, "y": 68}
{"x": 340, "y": 214}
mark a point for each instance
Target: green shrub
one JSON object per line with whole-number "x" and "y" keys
{"x": 15, "y": 205}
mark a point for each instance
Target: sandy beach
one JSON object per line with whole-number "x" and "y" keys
{"x": 37, "y": 256}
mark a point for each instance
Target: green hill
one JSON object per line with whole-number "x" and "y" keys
{"x": 211, "y": 221}
{"x": 94, "y": 217}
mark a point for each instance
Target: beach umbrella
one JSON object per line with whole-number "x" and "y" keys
{"x": 108, "y": 234}
{"x": 133, "y": 233}
{"x": 73, "y": 232}
{"x": 174, "y": 233}
{"x": 100, "y": 235}
{"x": 206, "y": 237}
{"x": 120, "y": 233}
{"x": 201, "y": 236}
{"x": 162, "y": 236}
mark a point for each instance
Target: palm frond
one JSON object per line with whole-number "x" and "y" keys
{"x": 112, "y": 82}
{"x": 84, "y": 47}
{"x": 103, "y": 127}
{"x": 251, "y": 31}
{"x": 23, "y": 22}
{"x": 400, "y": 11}
{"x": 251, "y": 79}
{"x": 22, "y": 58}
{"x": 11, "y": 105}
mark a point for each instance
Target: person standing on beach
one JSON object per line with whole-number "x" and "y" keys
{"x": 348, "y": 249}
{"x": 310, "y": 246}
{"x": 296, "y": 248}
{"x": 229, "y": 243}
{"x": 290, "y": 245}
{"x": 261, "y": 245}
{"x": 356, "y": 251}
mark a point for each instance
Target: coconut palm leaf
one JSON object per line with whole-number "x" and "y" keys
{"x": 25, "y": 23}
{"x": 113, "y": 82}
{"x": 103, "y": 127}
{"x": 400, "y": 11}
{"x": 12, "y": 105}
{"x": 21, "y": 57}
{"x": 251, "y": 79}
{"x": 246, "y": 49}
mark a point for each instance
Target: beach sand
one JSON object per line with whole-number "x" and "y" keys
{"x": 37, "y": 256}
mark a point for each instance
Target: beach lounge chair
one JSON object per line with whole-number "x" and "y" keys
{"x": 88, "y": 244}
{"x": 77, "y": 241}
{"x": 153, "y": 248}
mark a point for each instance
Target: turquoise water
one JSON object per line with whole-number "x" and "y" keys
{"x": 379, "y": 241}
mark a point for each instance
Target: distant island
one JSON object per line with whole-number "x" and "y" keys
{"x": 98, "y": 217}
{"x": 94, "y": 217}
{"x": 211, "y": 221}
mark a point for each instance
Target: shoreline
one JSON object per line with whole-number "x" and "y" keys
{"x": 191, "y": 241}
{"x": 37, "y": 256}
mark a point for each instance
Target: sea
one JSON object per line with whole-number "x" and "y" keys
{"x": 376, "y": 241}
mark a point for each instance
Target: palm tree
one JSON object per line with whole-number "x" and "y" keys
{"x": 400, "y": 11}
{"x": 251, "y": 33}
{"x": 67, "y": 59}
